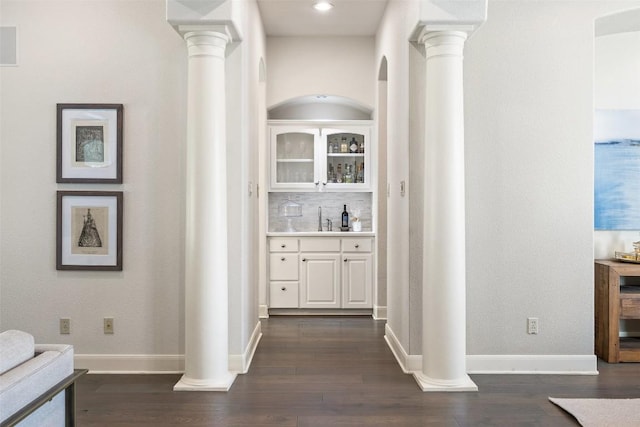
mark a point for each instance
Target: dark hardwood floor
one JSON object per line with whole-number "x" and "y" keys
{"x": 339, "y": 372}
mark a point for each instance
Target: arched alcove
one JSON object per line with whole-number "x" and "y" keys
{"x": 320, "y": 107}
{"x": 620, "y": 22}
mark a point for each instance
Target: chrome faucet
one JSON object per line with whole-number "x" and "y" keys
{"x": 319, "y": 218}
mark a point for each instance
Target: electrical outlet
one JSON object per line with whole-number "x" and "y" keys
{"x": 532, "y": 325}
{"x": 65, "y": 326}
{"x": 108, "y": 325}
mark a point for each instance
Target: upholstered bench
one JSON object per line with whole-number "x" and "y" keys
{"x": 34, "y": 381}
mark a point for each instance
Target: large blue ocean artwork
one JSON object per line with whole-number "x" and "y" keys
{"x": 617, "y": 170}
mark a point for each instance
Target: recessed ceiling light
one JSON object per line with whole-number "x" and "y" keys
{"x": 322, "y": 5}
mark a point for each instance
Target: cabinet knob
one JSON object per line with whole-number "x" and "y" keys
{"x": 357, "y": 246}
{"x": 283, "y": 288}
{"x": 317, "y": 182}
{"x": 345, "y": 260}
{"x": 283, "y": 245}
{"x": 324, "y": 183}
{"x": 283, "y": 259}
{"x": 304, "y": 259}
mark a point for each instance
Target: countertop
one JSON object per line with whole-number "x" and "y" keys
{"x": 321, "y": 234}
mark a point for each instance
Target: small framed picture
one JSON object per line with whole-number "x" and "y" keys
{"x": 89, "y": 143}
{"x": 89, "y": 230}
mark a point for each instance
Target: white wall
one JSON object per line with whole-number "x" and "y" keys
{"x": 130, "y": 55}
{"x": 529, "y": 173}
{"x": 616, "y": 86}
{"x": 243, "y": 128}
{"x": 299, "y": 66}
{"x": 392, "y": 43}
{"x": 529, "y": 150}
{"x": 95, "y": 52}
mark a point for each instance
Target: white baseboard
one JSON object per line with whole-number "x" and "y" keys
{"x": 130, "y": 363}
{"x": 159, "y": 363}
{"x": 533, "y": 364}
{"x": 407, "y": 363}
{"x": 263, "y": 311}
{"x": 502, "y": 364}
{"x": 380, "y": 312}
{"x": 240, "y": 362}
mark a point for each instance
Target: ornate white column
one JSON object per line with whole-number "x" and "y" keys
{"x": 444, "y": 281}
{"x": 206, "y": 282}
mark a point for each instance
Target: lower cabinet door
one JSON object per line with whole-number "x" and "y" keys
{"x": 357, "y": 281}
{"x": 320, "y": 280}
{"x": 283, "y": 295}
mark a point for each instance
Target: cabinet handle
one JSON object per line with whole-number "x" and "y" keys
{"x": 283, "y": 259}
{"x": 324, "y": 183}
{"x": 317, "y": 182}
{"x": 283, "y": 288}
{"x": 357, "y": 246}
{"x": 283, "y": 246}
{"x": 345, "y": 260}
{"x": 304, "y": 259}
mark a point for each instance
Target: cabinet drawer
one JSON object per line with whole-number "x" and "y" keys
{"x": 319, "y": 244}
{"x": 629, "y": 306}
{"x": 283, "y": 295}
{"x": 356, "y": 245}
{"x": 283, "y": 266}
{"x": 283, "y": 245}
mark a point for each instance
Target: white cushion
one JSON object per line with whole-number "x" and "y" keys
{"x": 16, "y": 347}
{"x": 26, "y": 382}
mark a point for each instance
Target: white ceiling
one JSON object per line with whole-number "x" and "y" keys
{"x": 299, "y": 18}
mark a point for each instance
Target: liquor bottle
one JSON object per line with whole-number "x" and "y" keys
{"x": 348, "y": 175}
{"x": 360, "y": 173}
{"x": 353, "y": 145}
{"x": 345, "y": 219}
{"x": 344, "y": 147}
{"x": 339, "y": 174}
{"x": 361, "y": 147}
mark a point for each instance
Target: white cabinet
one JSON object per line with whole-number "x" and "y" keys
{"x": 356, "y": 281}
{"x": 320, "y": 157}
{"x": 321, "y": 272}
{"x": 283, "y": 273}
{"x": 320, "y": 281}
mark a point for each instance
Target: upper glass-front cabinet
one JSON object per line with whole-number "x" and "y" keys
{"x": 319, "y": 159}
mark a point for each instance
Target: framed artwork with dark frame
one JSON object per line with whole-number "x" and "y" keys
{"x": 89, "y": 143}
{"x": 89, "y": 230}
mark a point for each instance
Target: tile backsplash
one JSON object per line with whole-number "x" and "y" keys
{"x": 332, "y": 205}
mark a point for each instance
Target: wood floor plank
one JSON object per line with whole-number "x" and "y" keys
{"x": 334, "y": 371}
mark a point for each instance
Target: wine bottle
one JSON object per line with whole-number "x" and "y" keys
{"x": 345, "y": 219}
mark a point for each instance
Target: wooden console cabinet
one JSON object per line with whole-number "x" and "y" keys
{"x": 615, "y": 301}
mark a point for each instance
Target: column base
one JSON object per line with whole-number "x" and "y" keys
{"x": 430, "y": 384}
{"x": 190, "y": 384}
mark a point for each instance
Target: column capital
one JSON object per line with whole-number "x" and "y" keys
{"x": 206, "y": 40}
{"x": 438, "y": 36}
{"x": 442, "y": 42}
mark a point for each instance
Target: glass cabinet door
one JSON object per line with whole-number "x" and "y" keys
{"x": 294, "y": 163}
{"x": 346, "y": 158}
